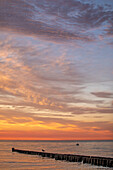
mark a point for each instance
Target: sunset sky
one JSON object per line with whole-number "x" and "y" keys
{"x": 56, "y": 69}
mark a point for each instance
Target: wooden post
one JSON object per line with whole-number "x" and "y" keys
{"x": 100, "y": 161}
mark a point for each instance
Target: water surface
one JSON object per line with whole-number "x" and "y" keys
{"x": 11, "y": 160}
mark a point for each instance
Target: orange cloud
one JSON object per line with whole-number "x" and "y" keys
{"x": 49, "y": 88}
{"x": 38, "y": 128}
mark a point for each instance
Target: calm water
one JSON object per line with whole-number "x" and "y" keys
{"x": 11, "y": 161}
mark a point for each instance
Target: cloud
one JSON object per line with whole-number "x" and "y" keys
{"x": 47, "y": 19}
{"x": 91, "y": 110}
{"x": 36, "y": 127}
{"x": 40, "y": 120}
{"x": 35, "y": 79}
{"x": 38, "y": 76}
{"x": 103, "y": 94}
{"x": 44, "y": 83}
{"x": 19, "y": 117}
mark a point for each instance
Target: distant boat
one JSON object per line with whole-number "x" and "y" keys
{"x": 77, "y": 144}
{"x": 43, "y": 150}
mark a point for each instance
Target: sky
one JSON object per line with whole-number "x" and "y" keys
{"x": 56, "y": 69}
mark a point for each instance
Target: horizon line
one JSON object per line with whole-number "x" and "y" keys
{"x": 54, "y": 140}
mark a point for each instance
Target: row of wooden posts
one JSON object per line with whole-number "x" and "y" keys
{"x": 99, "y": 161}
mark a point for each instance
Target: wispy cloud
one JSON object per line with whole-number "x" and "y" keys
{"x": 58, "y": 20}
{"x": 103, "y": 94}
{"x": 56, "y": 68}
{"x": 53, "y": 127}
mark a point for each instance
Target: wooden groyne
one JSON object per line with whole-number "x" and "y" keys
{"x": 99, "y": 161}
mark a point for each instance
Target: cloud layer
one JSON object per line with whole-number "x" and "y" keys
{"x": 60, "y": 20}
{"x": 56, "y": 69}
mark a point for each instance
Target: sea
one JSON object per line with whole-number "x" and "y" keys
{"x": 12, "y": 160}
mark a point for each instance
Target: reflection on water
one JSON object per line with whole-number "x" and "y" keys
{"x": 9, "y": 160}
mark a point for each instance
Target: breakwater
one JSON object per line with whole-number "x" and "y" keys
{"x": 99, "y": 161}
